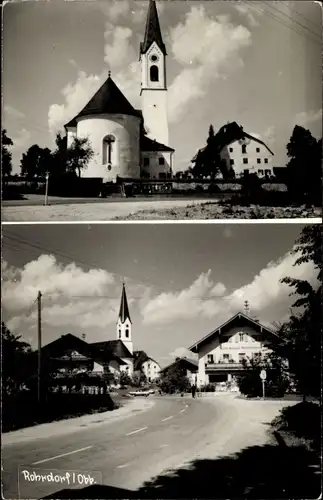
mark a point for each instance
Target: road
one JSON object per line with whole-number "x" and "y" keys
{"x": 126, "y": 453}
{"x": 38, "y": 200}
{"x": 89, "y": 210}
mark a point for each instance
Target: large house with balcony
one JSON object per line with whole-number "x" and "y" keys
{"x": 220, "y": 352}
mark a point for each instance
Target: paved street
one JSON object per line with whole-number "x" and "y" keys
{"x": 124, "y": 453}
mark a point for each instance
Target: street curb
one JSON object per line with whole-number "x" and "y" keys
{"x": 71, "y": 425}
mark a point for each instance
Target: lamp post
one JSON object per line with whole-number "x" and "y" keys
{"x": 46, "y": 189}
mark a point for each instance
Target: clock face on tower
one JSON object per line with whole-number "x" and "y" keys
{"x": 154, "y": 58}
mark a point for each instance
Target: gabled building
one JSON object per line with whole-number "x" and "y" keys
{"x": 239, "y": 152}
{"x": 70, "y": 354}
{"x": 220, "y": 352}
{"x": 127, "y": 142}
{"x": 188, "y": 366}
{"x": 146, "y": 365}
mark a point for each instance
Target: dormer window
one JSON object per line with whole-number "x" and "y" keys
{"x": 154, "y": 73}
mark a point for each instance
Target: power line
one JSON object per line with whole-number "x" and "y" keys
{"x": 291, "y": 19}
{"x": 302, "y": 15}
{"x": 275, "y": 18}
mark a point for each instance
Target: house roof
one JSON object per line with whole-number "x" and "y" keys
{"x": 188, "y": 363}
{"x": 147, "y": 144}
{"x": 116, "y": 347}
{"x": 152, "y": 31}
{"x": 58, "y": 348}
{"x": 227, "y": 135}
{"x": 237, "y": 319}
{"x": 108, "y": 99}
{"x": 140, "y": 358}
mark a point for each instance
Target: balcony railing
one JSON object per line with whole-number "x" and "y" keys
{"x": 224, "y": 365}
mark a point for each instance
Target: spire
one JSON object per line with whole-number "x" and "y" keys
{"x": 124, "y": 309}
{"x": 152, "y": 32}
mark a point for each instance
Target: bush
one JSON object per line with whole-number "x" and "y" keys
{"x": 208, "y": 388}
{"x": 23, "y": 410}
{"x": 303, "y": 420}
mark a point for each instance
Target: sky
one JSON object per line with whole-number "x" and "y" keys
{"x": 182, "y": 280}
{"x": 257, "y": 63}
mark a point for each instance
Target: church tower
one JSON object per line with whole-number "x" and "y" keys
{"x": 153, "y": 78}
{"x": 124, "y": 324}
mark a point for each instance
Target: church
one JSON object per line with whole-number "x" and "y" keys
{"x": 128, "y": 142}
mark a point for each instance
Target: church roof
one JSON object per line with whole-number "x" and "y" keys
{"x": 116, "y": 347}
{"x": 108, "y": 99}
{"x": 147, "y": 144}
{"x": 239, "y": 319}
{"x": 152, "y": 32}
{"x": 124, "y": 309}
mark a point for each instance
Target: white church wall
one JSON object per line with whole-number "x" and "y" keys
{"x": 125, "y": 157}
{"x": 71, "y": 133}
{"x": 154, "y": 169}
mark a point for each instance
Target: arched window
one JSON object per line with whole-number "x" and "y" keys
{"x": 154, "y": 73}
{"x": 107, "y": 149}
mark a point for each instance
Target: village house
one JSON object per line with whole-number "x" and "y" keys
{"x": 143, "y": 364}
{"x": 240, "y": 152}
{"x": 72, "y": 354}
{"x": 220, "y": 352}
{"x": 127, "y": 142}
{"x": 188, "y": 366}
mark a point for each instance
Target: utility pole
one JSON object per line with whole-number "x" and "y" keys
{"x": 39, "y": 296}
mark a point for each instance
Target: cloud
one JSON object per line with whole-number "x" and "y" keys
{"x": 71, "y": 295}
{"x": 22, "y": 139}
{"x": 204, "y": 298}
{"x": 308, "y": 117}
{"x": 11, "y": 112}
{"x": 183, "y": 352}
{"x": 269, "y": 133}
{"x": 119, "y": 57}
{"x": 206, "y": 49}
{"x": 200, "y": 63}
{"x": 250, "y": 15}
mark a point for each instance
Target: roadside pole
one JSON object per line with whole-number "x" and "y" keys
{"x": 39, "y": 347}
{"x": 263, "y": 376}
{"x": 46, "y": 188}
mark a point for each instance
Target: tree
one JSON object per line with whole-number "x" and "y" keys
{"x": 174, "y": 379}
{"x": 16, "y": 362}
{"x": 124, "y": 379}
{"x": 277, "y": 381}
{"x": 36, "y": 162}
{"x": 211, "y": 132}
{"x": 78, "y": 155}
{"x": 301, "y": 335}
{"x": 304, "y": 169}
{"x": 6, "y": 163}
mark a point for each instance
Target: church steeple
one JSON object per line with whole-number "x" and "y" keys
{"x": 124, "y": 309}
{"x": 152, "y": 31}
{"x": 153, "y": 79}
{"x": 124, "y": 325}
